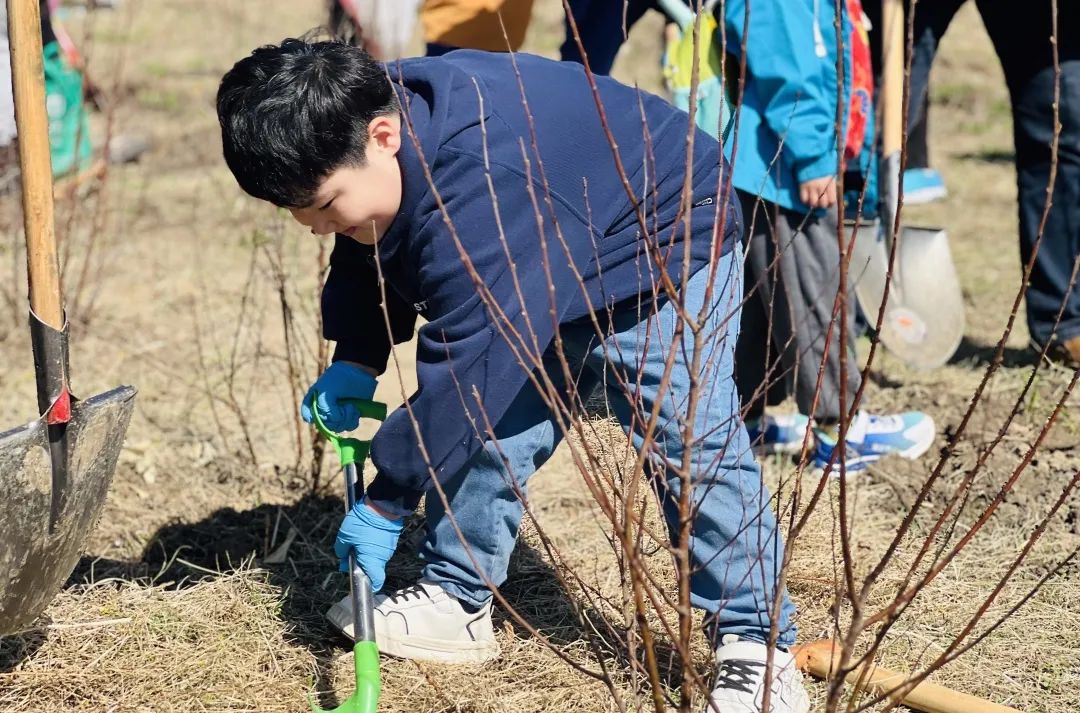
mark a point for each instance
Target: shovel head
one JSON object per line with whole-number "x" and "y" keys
{"x": 924, "y": 317}
{"x": 36, "y": 559}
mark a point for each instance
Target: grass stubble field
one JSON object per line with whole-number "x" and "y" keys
{"x": 180, "y": 603}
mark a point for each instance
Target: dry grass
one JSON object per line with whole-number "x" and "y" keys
{"x": 180, "y": 248}
{"x": 1029, "y": 663}
{"x": 131, "y": 646}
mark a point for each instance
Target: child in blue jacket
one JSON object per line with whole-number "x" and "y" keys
{"x": 784, "y": 157}
{"x": 518, "y": 236}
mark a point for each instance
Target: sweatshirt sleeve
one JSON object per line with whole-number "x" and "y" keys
{"x": 476, "y": 354}
{"x": 352, "y": 308}
{"x": 787, "y": 61}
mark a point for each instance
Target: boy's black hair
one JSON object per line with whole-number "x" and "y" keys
{"x": 293, "y": 113}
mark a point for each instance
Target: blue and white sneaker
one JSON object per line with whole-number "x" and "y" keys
{"x": 870, "y": 437}
{"x": 770, "y": 435}
{"x": 923, "y": 185}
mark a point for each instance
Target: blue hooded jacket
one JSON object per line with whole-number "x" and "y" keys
{"x": 530, "y": 211}
{"x": 786, "y": 129}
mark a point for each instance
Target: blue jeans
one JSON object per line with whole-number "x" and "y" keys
{"x": 735, "y": 545}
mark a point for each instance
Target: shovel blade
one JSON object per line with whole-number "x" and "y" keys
{"x": 924, "y": 318}
{"x": 35, "y": 559}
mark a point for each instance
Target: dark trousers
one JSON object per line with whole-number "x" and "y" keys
{"x": 792, "y": 276}
{"x": 931, "y": 20}
{"x": 1021, "y": 34}
{"x": 1021, "y": 40}
{"x": 602, "y": 26}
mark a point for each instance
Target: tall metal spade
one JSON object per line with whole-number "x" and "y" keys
{"x": 924, "y": 316}
{"x": 54, "y": 471}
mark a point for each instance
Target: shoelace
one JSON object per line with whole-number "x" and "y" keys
{"x": 739, "y": 674}
{"x": 406, "y": 594}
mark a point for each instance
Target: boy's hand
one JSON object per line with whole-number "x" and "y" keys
{"x": 373, "y": 539}
{"x": 341, "y": 380}
{"x": 818, "y": 192}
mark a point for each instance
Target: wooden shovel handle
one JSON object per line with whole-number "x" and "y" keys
{"x": 820, "y": 659}
{"x": 892, "y": 76}
{"x": 28, "y": 82}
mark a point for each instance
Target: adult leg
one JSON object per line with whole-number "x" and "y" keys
{"x": 932, "y": 18}
{"x": 602, "y": 26}
{"x": 1021, "y": 40}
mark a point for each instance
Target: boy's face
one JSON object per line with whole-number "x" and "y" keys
{"x": 360, "y": 201}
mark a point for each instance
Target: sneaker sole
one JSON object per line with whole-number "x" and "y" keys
{"x": 924, "y": 195}
{"x": 778, "y": 449}
{"x": 924, "y": 438}
{"x": 860, "y": 464}
{"x": 857, "y": 465}
{"x": 419, "y": 648}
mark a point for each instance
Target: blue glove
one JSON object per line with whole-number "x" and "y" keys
{"x": 339, "y": 381}
{"x": 372, "y": 537}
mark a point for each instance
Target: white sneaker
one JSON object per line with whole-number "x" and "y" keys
{"x": 739, "y": 684}
{"x": 781, "y": 434}
{"x": 424, "y": 623}
{"x": 870, "y": 438}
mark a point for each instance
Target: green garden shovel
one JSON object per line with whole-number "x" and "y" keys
{"x": 351, "y": 453}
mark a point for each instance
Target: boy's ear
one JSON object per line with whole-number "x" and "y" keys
{"x": 384, "y": 134}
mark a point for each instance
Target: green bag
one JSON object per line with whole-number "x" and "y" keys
{"x": 713, "y": 110}
{"x": 69, "y": 130}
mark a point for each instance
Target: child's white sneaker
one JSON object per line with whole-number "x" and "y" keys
{"x": 870, "y": 438}
{"x": 740, "y": 683}
{"x": 424, "y": 623}
{"x": 781, "y": 434}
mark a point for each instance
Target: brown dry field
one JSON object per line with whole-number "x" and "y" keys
{"x": 173, "y": 608}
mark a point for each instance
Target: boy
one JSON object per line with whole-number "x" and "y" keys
{"x": 505, "y": 229}
{"x": 784, "y": 173}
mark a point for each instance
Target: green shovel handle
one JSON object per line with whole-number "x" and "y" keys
{"x": 350, "y": 450}
{"x": 366, "y": 672}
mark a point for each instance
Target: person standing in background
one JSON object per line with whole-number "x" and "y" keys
{"x": 1022, "y": 40}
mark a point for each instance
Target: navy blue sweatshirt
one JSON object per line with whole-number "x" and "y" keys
{"x": 515, "y": 191}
